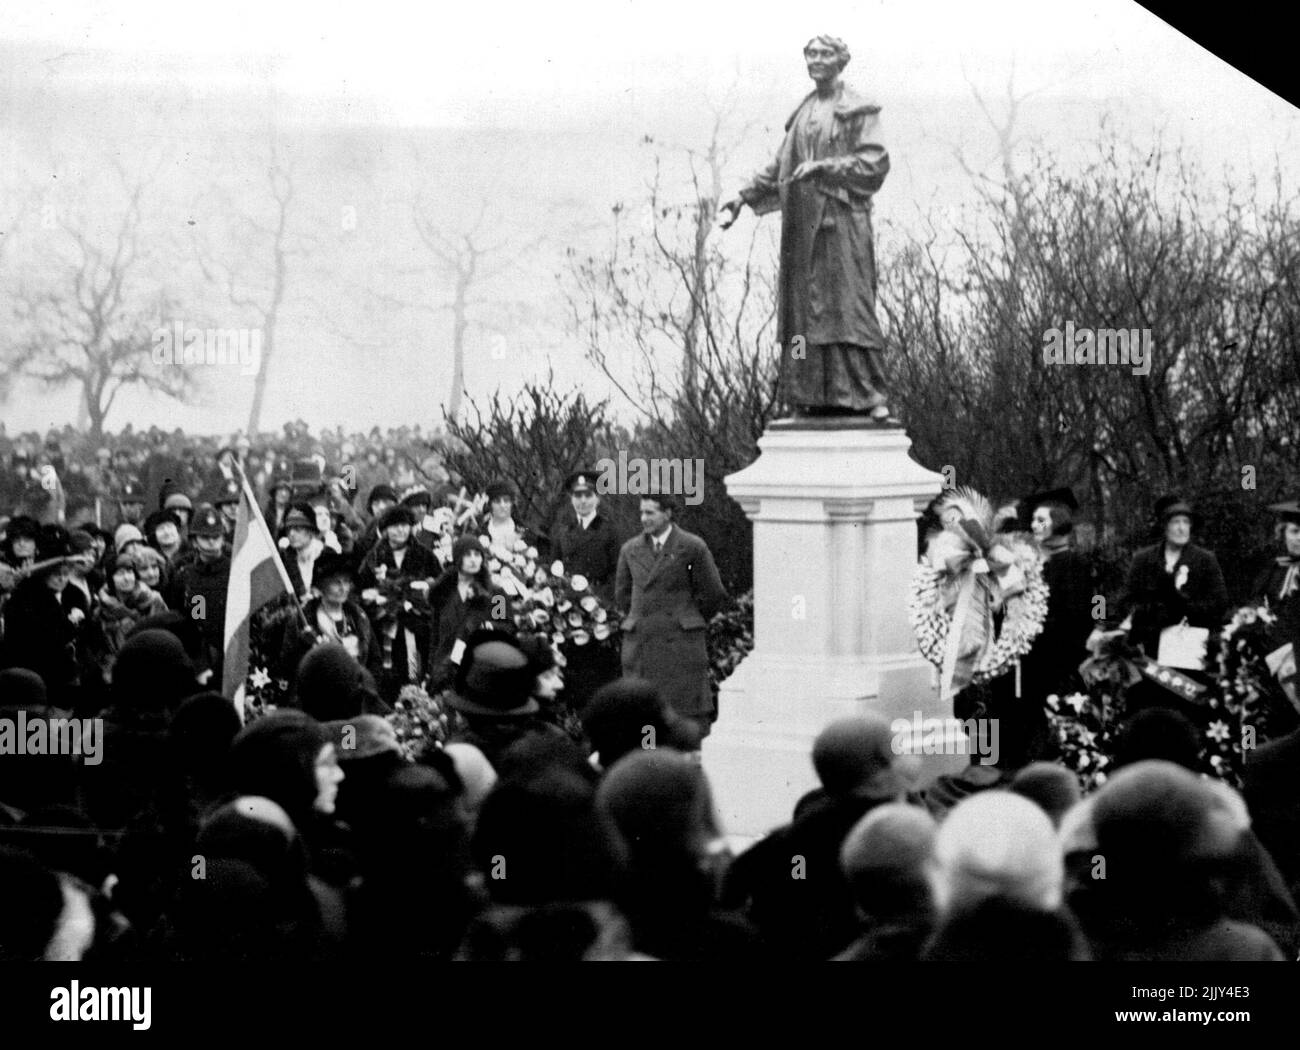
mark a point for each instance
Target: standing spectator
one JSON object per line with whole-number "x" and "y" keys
{"x": 1173, "y": 581}
{"x": 381, "y": 497}
{"x": 305, "y": 548}
{"x": 668, "y": 586}
{"x": 1062, "y": 645}
{"x": 501, "y": 527}
{"x": 791, "y": 882}
{"x": 121, "y": 603}
{"x": 278, "y": 509}
{"x": 492, "y": 694}
{"x": 1171, "y": 844}
{"x": 460, "y": 603}
{"x": 164, "y": 532}
{"x": 1279, "y": 584}
{"x": 419, "y": 501}
{"x": 660, "y": 805}
{"x": 394, "y": 580}
{"x": 19, "y": 549}
{"x": 332, "y": 616}
{"x": 198, "y": 590}
{"x": 586, "y": 542}
{"x": 41, "y": 630}
{"x": 887, "y": 860}
{"x": 130, "y": 502}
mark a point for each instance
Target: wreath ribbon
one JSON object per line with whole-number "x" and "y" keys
{"x": 987, "y": 576}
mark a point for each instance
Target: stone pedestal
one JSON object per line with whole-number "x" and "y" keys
{"x": 835, "y": 546}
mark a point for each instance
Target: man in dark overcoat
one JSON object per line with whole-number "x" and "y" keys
{"x": 668, "y": 587}
{"x": 586, "y": 542}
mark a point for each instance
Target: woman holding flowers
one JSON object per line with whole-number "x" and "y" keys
{"x": 462, "y": 600}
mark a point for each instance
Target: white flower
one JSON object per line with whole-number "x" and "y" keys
{"x": 575, "y": 619}
{"x": 540, "y": 617}
{"x": 557, "y": 568}
{"x": 519, "y": 545}
{"x": 564, "y": 606}
{"x": 494, "y": 565}
{"x": 486, "y": 541}
{"x": 589, "y": 602}
{"x": 544, "y": 597}
{"x": 578, "y": 582}
{"x": 539, "y": 578}
{"x": 260, "y": 678}
{"x": 581, "y": 637}
{"x": 601, "y": 631}
{"x": 600, "y": 616}
{"x": 531, "y": 552}
{"x": 1217, "y": 731}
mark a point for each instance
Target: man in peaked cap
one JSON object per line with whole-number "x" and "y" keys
{"x": 198, "y": 589}
{"x": 130, "y": 502}
{"x": 587, "y": 543}
{"x": 224, "y": 494}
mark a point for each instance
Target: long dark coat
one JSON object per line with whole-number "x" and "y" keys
{"x": 1268, "y": 585}
{"x": 452, "y": 619}
{"x": 1149, "y": 594}
{"x": 593, "y": 551}
{"x": 828, "y": 264}
{"x": 209, "y": 580}
{"x": 40, "y": 637}
{"x": 1051, "y": 664}
{"x": 668, "y": 601}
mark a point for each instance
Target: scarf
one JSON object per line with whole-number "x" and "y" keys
{"x": 1053, "y": 545}
{"x": 1291, "y": 581}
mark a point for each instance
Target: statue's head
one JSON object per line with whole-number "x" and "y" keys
{"x": 826, "y": 56}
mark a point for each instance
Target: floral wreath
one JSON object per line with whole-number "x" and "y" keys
{"x": 965, "y": 577}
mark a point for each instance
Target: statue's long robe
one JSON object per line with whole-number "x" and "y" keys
{"x": 827, "y": 299}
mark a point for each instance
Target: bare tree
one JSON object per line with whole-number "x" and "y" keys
{"x": 255, "y": 255}
{"x": 93, "y": 326}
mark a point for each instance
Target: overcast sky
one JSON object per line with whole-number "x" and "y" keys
{"x": 614, "y": 70}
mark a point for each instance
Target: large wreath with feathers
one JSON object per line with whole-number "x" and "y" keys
{"x": 967, "y": 577}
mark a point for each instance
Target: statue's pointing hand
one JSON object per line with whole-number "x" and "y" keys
{"x": 732, "y": 210}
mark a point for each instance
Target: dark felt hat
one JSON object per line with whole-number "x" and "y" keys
{"x": 299, "y": 518}
{"x": 397, "y": 515}
{"x": 417, "y": 495}
{"x": 1171, "y": 506}
{"x": 381, "y": 491}
{"x": 23, "y": 526}
{"x": 498, "y": 489}
{"x": 495, "y": 677}
{"x": 330, "y": 565}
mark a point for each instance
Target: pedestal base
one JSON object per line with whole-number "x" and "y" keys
{"x": 834, "y": 512}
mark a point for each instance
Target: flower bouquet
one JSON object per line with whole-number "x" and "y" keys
{"x": 420, "y": 721}
{"x": 1084, "y": 726}
{"x": 967, "y": 580}
{"x": 547, "y": 600}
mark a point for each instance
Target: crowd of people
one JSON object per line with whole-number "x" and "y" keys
{"x": 312, "y": 832}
